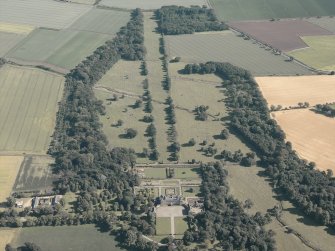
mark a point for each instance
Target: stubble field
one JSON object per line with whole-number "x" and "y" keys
{"x": 229, "y": 47}
{"x": 289, "y": 91}
{"x": 28, "y": 108}
{"x": 312, "y": 135}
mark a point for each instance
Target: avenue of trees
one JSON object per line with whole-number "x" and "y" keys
{"x": 224, "y": 220}
{"x": 174, "y": 20}
{"x": 310, "y": 190}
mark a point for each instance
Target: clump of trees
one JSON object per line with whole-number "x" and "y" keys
{"x": 201, "y": 112}
{"x": 224, "y": 220}
{"x": 326, "y": 109}
{"x": 310, "y": 190}
{"x": 174, "y": 20}
{"x": 2, "y": 62}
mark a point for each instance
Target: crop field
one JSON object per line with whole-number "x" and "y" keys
{"x": 312, "y": 135}
{"x": 150, "y": 4}
{"x": 41, "y": 13}
{"x": 229, "y": 47}
{"x": 266, "y": 9}
{"x": 35, "y": 174}
{"x": 124, "y": 77}
{"x": 82, "y": 237}
{"x": 9, "y": 167}
{"x": 28, "y": 108}
{"x": 327, "y": 23}
{"x": 163, "y": 226}
{"x": 283, "y": 35}
{"x": 319, "y": 54}
{"x": 260, "y": 193}
{"x": 8, "y": 41}
{"x": 65, "y": 48}
{"x": 101, "y": 21}
{"x": 289, "y": 91}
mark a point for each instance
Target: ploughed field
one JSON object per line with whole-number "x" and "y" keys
{"x": 267, "y": 9}
{"x": 229, "y": 47}
{"x": 283, "y": 35}
{"x": 28, "y": 108}
{"x": 289, "y": 91}
{"x": 312, "y": 135}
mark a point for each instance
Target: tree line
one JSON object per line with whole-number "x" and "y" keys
{"x": 311, "y": 190}
{"x": 175, "y": 20}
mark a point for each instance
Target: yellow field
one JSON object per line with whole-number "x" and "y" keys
{"x": 16, "y": 28}
{"x": 6, "y": 236}
{"x": 319, "y": 54}
{"x": 9, "y": 167}
{"x": 312, "y": 135}
{"x": 289, "y": 91}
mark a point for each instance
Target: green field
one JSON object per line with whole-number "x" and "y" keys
{"x": 229, "y": 47}
{"x": 180, "y": 173}
{"x": 190, "y": 191}
{"x": 180, "y": 225}
{"x": 8, "y": 41}
{"x": 28, "y": 108}
{"x": 163, "y": 226}
{"x": 83, "y": 237}
{"x": 35, "y": 174}
{"x": 266, "y": 9}
{"x": 319, "y": 54}
{"x": 64, "y": 48}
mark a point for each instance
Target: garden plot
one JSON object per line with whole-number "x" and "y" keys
{"x": 312, "y": 135}
{"x": 283, "y": 35}
{"x": 319, "y": 54}
{"x": 35, "y": 174}
{"x": 65, "y": 48}
{"x": 28, "y": 108}
{"x": 101, "y": 21}
{"x": 289, "y": 91}
{"x": 228, "y": 47}
{"x": 150, "y": 4}
{"x": 41, "y": 13}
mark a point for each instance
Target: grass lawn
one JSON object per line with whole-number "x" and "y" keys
{"x": 163, "y": 226}
{"x": 155, "y": 173}
{"x": 319, "y": 54}
{"x": 180, "y": 225}
{"x": 190, "y": 191}
{"x": 82, "y": 237}
{"x": 186, "y": 173}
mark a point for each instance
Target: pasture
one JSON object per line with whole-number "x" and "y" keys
{"x": 229, "y": 47}
{"x": 266, "y": 9}
{"x": 289, "y": 91}
{"x": 312, "y": 135}
{"x": 149, "y": 4}
{"x": 8, "y": 41}
{"x": 6, "y": 236}
{"x": 283, "y": 35}
{"x": 82, "y": 237}
{"x": 101, "y": 21}
{"x": 9, "y": 167}
{"x": 35, "y": 174}
{"x": 65, "y": 48}
{"x": 319, "y": 54}
{"x": 327, "y": 23}
{"x": 28, "y": 108}
{"x": 41, "y": 13}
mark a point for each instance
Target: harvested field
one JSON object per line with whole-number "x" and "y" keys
{"x": 63, "y": 48}
{"x": 9, "y": 167}
{"x": 150, "y": 4}
{"x": 35, "y": 174}
{"x": 28, "y": 108}
{"x": 8, "y": 41}
{"x": 266, "y": 9}
{"x": 327, "y": 23}
{"x": 312, "y": 135}
{"x": 319, "y": 54}
{"x": 124, "y": 77}
{"x": 16, "y": 28}
{"x": 101, "y": 21}
{"x": 82, "y": 237}
{"x": 229, "y": 47}
{"x": 283, "y": 35}
{"x": 41, "y": 13}
{"x": 289, "y": 91}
